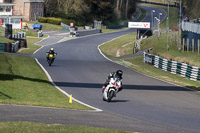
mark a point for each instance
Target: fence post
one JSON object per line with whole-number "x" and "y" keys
{"x": 183, "y": 44}
{"x": 177, "y": 41}
{"x": 175, "y": 38}
{"x": 192, "y": 45}
{"x": 187, "y": 44}
{"x": 198, "y": 46}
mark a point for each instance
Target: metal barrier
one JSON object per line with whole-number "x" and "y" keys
{"x": 19, "y": 35}
{"x": 65, "y": 27}
{"x": 15, "y": 47}
{"x": 87, "y": 32}
{"x": 2, "y": 47}
{"x": 182, "y": 69}
{"x": 40, "y": 34}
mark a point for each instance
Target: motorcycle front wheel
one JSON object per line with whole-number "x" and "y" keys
{"x": 110, "y": 95}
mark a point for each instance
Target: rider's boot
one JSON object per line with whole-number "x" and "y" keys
{"x": 103, "y": 88}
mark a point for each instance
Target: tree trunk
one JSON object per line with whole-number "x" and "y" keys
{"x": 117, "y": 5}
{"x": 120, "y": 7}
{"x": 126, "y": 13}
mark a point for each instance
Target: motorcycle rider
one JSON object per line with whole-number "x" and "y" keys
{"x": 117, "y": 74}
{"x": 51, "y": 51}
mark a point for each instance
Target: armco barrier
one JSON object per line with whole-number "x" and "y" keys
{"x": 182, "y": 69}
{"x": 9, "y": 47}
{"x": 2, "y": 47}
{"x": 22, "y": 42}
{"x": 87, "y": 32}
{"x": 19, "y": 35}
{"x": 15, "y": 47}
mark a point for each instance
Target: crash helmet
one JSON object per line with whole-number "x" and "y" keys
{"x": 119, "y": 73}
{"x": 51, "y": 49}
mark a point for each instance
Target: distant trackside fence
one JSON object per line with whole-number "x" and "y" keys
{"x": 182, "y": 69}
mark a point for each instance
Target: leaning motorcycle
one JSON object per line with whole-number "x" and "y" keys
{"x": 51, "y": 59}
{"x": 111, "y": 89}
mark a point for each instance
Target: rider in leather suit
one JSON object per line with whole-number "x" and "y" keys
{"x": 51, "y": 51}
{"x": 118, "y": 74}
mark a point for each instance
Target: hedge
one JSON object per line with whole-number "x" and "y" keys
{"x": 56, "y": 21}
{"x": 50, "y": 20}
{"x": 43, "y": 19}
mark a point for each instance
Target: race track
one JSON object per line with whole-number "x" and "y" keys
{"x": 80, "y": 69}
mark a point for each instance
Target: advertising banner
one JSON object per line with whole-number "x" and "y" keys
{"x": 139, "y": 25}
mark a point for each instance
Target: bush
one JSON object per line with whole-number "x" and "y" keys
{"x": 64, "y": 15}
{"x": 43, "y": 19}
{"x": 56, "y": 21}
{"x": 68, "y": 21}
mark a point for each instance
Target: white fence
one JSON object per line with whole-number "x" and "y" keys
{"x": 192, "y": 27}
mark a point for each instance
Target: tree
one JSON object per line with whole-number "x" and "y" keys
{"x": 90, "y": 10}
{"x": 101, "y": 9}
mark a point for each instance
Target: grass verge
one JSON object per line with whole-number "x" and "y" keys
{"x": 109, "y": 30}
{"x": 137, "y": 63}
{"x": 119, "y": 47}
{"x": 31, "y": 48}
{"x": 45, "y": 26}
{"x": 27, "y": 127}
{"x": 160, "y": 48}
{"x": 22, "y": 81}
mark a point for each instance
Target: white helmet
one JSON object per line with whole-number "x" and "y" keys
{"x": 52, "y": 49}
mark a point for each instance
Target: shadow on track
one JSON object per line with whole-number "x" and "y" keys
{"x": 131, "y": 87}
{"x": 119, "y": 101}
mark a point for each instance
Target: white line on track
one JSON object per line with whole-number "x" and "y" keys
{"x": 65, "y": 93}
{"x": 38, "y": 50}
{"x": 42, "y": 40}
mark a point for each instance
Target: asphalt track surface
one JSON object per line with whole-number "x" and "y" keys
{"x": 145, "y": 105}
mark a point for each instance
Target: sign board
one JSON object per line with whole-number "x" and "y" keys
{"x": 148, "y": 59}
{"x": 8, "y": 31}
{"x": 71, "y": 24}
{"x": 139, "y": 25}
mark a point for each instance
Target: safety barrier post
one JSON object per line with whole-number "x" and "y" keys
{"x": 187, "y": 44}
{"x": 198, "y": 46}
{"x": 183, "y": 44}
{"x": 192, "y": 45}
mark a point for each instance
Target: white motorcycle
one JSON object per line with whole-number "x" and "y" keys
{"x": 111, "y": 89}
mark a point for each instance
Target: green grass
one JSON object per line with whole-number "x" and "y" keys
{"x": 31, "y": 33}
{"x": 22, "y": 81}
{"x": 159, "y": 48}
{"x": 161, "y": 1}
{"x": 123, "y": 46}
{"x": 138, "y": 64}
{"x": 2, "y": 32}
{"x": 27, "y": 127}
{"x": 2, "y": 36}
{"x": 5, "y": 40}
{"x": 111, "y": 30}
{"x": 46, "y": 26}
